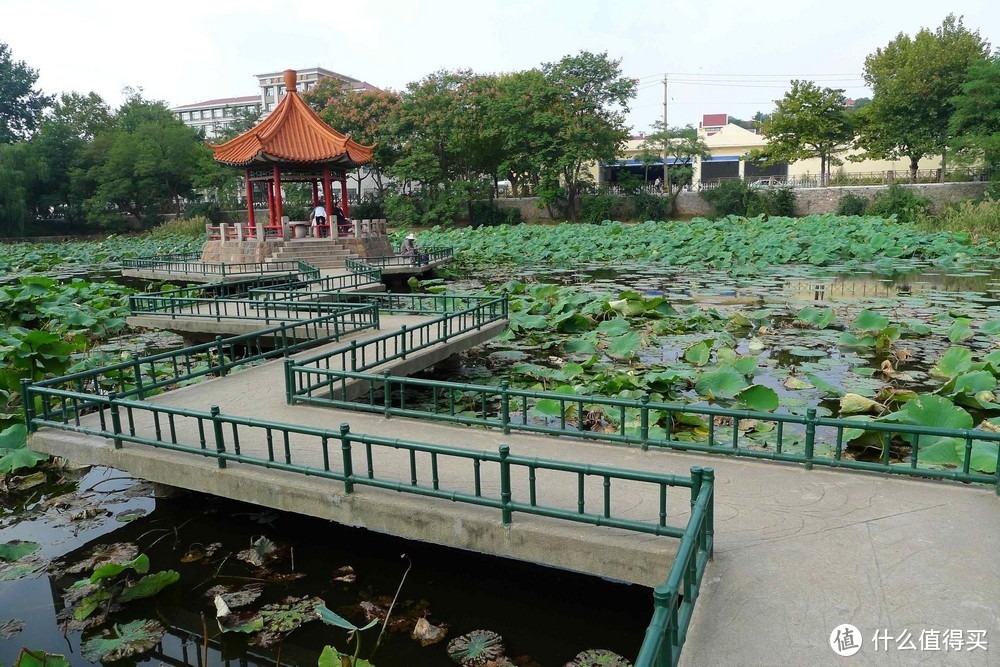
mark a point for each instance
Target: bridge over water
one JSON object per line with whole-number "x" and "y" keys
{"x": 797, "y": 551}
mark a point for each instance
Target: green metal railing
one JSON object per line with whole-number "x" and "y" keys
{"x": 306, "y": 289}
{"x": 388, "y": 302}
{"x": 194, "y": 267}
{"x": 217, "y": 308}
{"x": 674, "y": 600}
{"x": 423, "y": 257}
{"x": 371, "y": 352}
{"x": 144, "y": 376}
{"x": 313, "y": 451}
{"x": 808, "y": 439}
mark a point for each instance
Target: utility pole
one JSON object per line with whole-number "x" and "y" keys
{"x": 664, "y": 101}
{"x": 665, "y": 128}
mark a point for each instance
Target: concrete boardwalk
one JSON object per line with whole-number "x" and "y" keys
{"x": 796, "y": 552}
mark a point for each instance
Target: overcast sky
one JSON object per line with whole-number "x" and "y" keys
{"x": 720, "y": 57}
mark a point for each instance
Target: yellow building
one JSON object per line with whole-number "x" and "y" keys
{"x": 729, "y": 144}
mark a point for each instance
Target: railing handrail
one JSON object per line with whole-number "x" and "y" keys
{"x": 324, "y": 379}
{"x": 279, "y": 333}
{"x": 487, "y": 305}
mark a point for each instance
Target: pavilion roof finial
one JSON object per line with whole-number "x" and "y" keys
{"x": 291, "y": 77}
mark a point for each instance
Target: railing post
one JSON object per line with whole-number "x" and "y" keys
{"x": 505, "y": 485}
{"x": 644, "y": 422}
{"x": 661, "y": 600}
{"x": 696, "y": 478}
{"x": 29, "y": 404}
{"x": 387, "y": 393}
{"x": 810, "y": 437}
{"x": 354, "y": 356}
{"x": 137, "y": 369}
{"x": 504, "y": 406}
{"x": 402, "y": 340}
{"x": 284, "y": 337}
{"x": 708, "y": 476}
{"x": 289, "y": 381}
{"x": 345, "y": 448}
{"x": 116, "y": 419}
{"x": 219, "y": 350}
{"x": 220, "y": 443}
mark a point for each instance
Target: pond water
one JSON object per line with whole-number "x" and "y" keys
{"x": 544, "y": 616}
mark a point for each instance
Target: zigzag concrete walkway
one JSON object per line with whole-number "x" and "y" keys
{"x": 796, "y": 552}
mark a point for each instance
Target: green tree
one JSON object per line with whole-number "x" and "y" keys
{"x": 589, "y": 122}
{"x": 975, "y": 124}
{"x": 523, "y": 116}
{"x": 914, "y": 81}
{"x": 61, "y": 145}
{"x": 145, "y": 162}
{"x": 809, "y": 122}
{"x": 368, "y": 116}
{"x": 21, "y": 105}
{"x": 680, "y": 147}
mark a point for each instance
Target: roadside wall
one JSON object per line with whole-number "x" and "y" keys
{"x": 807, "y": 200}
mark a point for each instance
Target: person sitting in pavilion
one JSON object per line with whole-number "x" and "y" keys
{"x": 344, "y": 224}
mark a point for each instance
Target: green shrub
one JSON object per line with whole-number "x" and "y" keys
{"x": 852, "y": 204}
{"x": 651, "y": 207}
{"x": 728, "y": 198}
{"x": 598, "y": 208}
{"x": 780, "y": 201}
{"x": 210, "y": 210}
{"x": 978, "y": 219}
{"x": 428, "y": 207}
{"x": 993, "y": 188}
{"x": 901, "y": 202}
{"x": 488, "y": 214}
{"x": 370, "y": 208}
{"x": 193, "y": 227}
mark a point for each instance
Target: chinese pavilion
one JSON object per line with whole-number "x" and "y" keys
{"x": 293, "y": 145}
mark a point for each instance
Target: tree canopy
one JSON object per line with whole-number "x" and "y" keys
{"x": 809, "y": 122}
{"x": 975, "y": 125}
{"x": 21, "y": 104}
{"x": 682, "y": 146}
{"x": 914, "y": 81}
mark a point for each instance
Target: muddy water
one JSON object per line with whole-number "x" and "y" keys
{"x": 544, "y": 616}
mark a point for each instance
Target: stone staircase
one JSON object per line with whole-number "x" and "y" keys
{"x": 323, "y": 253}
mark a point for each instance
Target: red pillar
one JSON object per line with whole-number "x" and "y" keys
{"x": 250, "y": 217}
{"x": 277, "y": 195}
{"x": 315, "y": 194}
{"x": 328, "y": 193}
{"x": 343, "y": 196}
{"x": 270, "y": 201}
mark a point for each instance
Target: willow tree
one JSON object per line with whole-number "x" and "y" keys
{"x": 914, "y": 82}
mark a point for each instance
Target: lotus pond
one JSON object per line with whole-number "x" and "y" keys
{"x": 110, "y": 571}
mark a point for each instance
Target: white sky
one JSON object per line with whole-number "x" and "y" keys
{"x": 726, "y": 56}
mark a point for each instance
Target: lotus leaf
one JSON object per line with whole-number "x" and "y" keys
{"x": 127, "y": 640}
{"x": 17, "y": 549}
{"x": 625, "y": 347}
{"x": 476, "y": 648}
{"x": 699, "y": 353}
{"x": 960, "y": 330}
{"x": 33, "y": 658}
{"x": 149, "y": 585}
{"x": 868, "y": 320}
{"x": 723, "y": 382}
{"x": 955, "y": 361}
{"x": 820, "y": 319}
{"x": 598, "y": 658}
{"x": 758, "y": 397}
{"x": 852, "y": 404}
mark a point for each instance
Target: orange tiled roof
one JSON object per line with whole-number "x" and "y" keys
{"x": 292, "y": 133}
